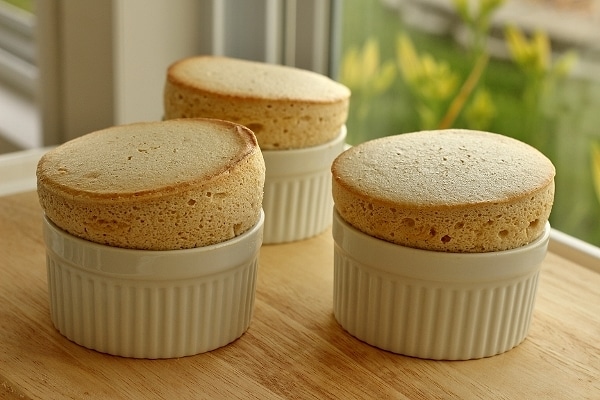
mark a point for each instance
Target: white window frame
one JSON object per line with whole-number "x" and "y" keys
{"x": 19, "y": 125}
{"x": 17, "y": 49}
{"x": 98, "y": 69}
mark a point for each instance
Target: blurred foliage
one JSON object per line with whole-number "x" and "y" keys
{"x": 435, "y": 84}
{"x": 432, "y": 83}
{"x": 442, "y": 95}
{"x": 533, "y": 57}
{"x": 477, "y": 16}
{"x": 481, "y": 111}
{"x": 361, "y": 70}
{"x": 440, "y": 92}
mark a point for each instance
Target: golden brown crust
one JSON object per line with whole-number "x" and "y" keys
{"x": 285, "y": 107}
{"x": 454, "y": 190}
{"x": 156, "y": 185}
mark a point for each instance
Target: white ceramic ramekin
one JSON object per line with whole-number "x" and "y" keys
{"x": 435, "y": 305}
{"x": 297, "y": 195}
{"x": 151, "y": 304}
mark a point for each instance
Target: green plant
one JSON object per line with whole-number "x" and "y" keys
{"x": 481, "y": 111}
{"x": 534, "y": 58}
{"x": 432, "y": 83}
{"x": 477, "y": 16}
{"x": 439, "y": 108}
{"x": 362, "y": 71}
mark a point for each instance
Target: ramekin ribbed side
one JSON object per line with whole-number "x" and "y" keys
{"x": 425, "y": 320}
{"x": 297, "y": 194}
{"x": 151, "y": 304}
{"x": 297, "y": 208}
{"x": 150, "y": 319}
{"x": 447, "y": 318}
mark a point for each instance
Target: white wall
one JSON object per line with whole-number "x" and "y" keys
{"x": 104, "y": 62}
{"x": 148, "y": 36}
{"x": 74, "y": 41}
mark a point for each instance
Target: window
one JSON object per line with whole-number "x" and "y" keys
{"x": 531, "y": 68}
{"x": 104, "y": 63}
{"x": 19, "y": 126}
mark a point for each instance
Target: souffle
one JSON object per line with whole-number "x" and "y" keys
{"x": 287, "y": 108}
{"x": 155, "y": 185}
{"x": 448, "y": 190}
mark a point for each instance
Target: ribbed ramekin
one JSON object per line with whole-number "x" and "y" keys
{"x": 434, "y": 305}
{"x": 151, "y": 304}
{"x": 297, "y": 194}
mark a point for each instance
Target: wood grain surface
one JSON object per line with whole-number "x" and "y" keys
{"x": 294, "y": 348}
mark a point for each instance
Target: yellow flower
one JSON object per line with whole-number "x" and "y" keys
{"x": 428, "y": 78}
{"x": 370, "y": 58}
{"x": 541, "y": 45}
{"x": 361, "y": 69}
{"x": 408, "y": 60}
{"x": 350, "y": 69}
{"x": 531, "y": 55}
{"x": 481, "y": 111}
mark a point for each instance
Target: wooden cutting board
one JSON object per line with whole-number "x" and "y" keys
{"x": 294, "y": 348}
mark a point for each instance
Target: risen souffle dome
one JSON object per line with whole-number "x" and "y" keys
{"x": 448, "y": 190}
{"x": 287, "y": 108}
{"x": 155, "y": 185}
